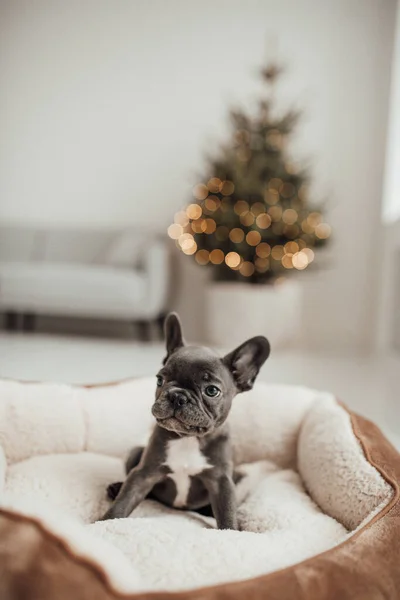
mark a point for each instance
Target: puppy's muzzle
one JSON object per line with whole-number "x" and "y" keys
{"x": 177, "y": 398}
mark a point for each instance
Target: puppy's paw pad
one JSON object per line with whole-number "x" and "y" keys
{"x": 113, "y": 490}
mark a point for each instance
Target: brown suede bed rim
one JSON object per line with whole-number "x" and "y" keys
{"x": 284, "y": 583}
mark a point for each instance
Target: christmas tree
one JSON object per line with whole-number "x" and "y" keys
{"x": 251, "y": 218}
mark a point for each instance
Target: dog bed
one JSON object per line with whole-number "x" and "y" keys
{"x": 318, "y": 502}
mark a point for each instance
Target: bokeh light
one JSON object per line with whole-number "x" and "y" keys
{"x": 232, "y": 259}
{"x": 289, "y": 216}
{"x": 241, "y": 207}
{"x": 262, "y": 265}
{"x": 263, "y": 221}
{"x": 184, "y": 237}
{"x": 217, "y": 257}
{"x": 277, "y": 252}
{"x": 275, "y": 183}
{"x": 257, "y": 208}
{"x": 227, "y": 188}
{"x": 291, "y": 247}
{"x": 236, "y": 235}
{"x": 212, "y": 203}
{"x": 306, "y": 227}
{"x": 189, "y": 246}
{"x": 175, "y": 230}
{"x": 300, "y": 260}
{"x": 200, "y": 191}
{"x": 301, "y": 243}
{"x": 181, "y": 218}
{"x": 247, "y": 219}
{"x": 323, "y": 231}
{"x": 199, "y": 226}
{"x": 275, "y": 212}
{"x": 314, "y": 219}
{"x": 253, "y": 238}
{"x": 263, "y": 250}
{"x": 287, "y": 261}
{"x": 194, "y": 211}
{"x": 309, "y": 253}
{"x": 247, "y": 269}
{"x": 202, "y": 257}
{"x": 214, "y": 185}
{"x": 210, "y": 226}
{"x": 271, "y": 196}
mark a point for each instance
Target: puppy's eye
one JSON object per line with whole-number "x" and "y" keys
{"x": 212, "y": 391}
{"x": 160, "y": 381}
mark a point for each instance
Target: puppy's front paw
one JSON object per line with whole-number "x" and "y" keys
{"x": 113, "y": 490}
{"x": 228, "y": 522}
{"x": 114, "y": 512}
{"x": 228, "y": 526}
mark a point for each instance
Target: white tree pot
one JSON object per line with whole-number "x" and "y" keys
{"x": 237, "y": 311}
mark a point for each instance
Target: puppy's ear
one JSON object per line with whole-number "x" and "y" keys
{"x": 173, "y": 334}
{"x": 245, "y": 361}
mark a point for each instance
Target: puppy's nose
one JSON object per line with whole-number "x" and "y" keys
{"x": 178, "y": 398}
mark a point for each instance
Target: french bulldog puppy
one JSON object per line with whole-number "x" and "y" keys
{"x": 188, "y": 462}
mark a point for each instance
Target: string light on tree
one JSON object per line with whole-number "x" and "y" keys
{"x": 233, "y": 259}
{"x": 202, "y": 257}
{"x": 217, "y": 257}
{"x": 194, "y": 211}
{"x": 236, "y": 235}
{"x": 175, "y": 231}
{"x": 251, "y": 216}
{"x": 263, "y": 221}
{"x": 212, "y": 203}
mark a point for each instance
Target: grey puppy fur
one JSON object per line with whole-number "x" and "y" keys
{"x": 188, "y": 461}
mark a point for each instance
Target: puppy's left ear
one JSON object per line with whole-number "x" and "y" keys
{"x": 173, "y": 334}
{"x": 245, "y": 361}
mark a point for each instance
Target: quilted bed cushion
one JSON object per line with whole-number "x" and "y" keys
{"x": 307, "y": 484}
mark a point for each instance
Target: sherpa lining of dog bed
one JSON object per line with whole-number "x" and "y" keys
{"x": 308, "y": 483}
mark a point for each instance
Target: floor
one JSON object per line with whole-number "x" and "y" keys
{"x": 369, "y": 385}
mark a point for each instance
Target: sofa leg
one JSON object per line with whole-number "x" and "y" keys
{"x": 28, "y": 322}
{"x": 11, "y": 320}
{"x": 144, "y": 329}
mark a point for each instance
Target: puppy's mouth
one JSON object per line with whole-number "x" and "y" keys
{"x": 177, "y": 426}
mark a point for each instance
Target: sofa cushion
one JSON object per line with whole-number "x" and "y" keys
{"x": 125, "y": 249}
{"x": 69, "y": 289}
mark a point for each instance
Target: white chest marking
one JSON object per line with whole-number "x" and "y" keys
{"x": 185, "y": 460}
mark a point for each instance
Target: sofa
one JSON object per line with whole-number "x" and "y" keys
{"x": 105, "y": 274}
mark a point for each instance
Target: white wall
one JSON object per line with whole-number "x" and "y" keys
{"x": 388, "y": 333}
{"x": 388, "y": 336}
{"x": 107, "y": 108}
{"x": 391, "y": 204}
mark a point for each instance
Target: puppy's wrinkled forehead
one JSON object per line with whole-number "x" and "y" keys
{"x": 194, "y": 363}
